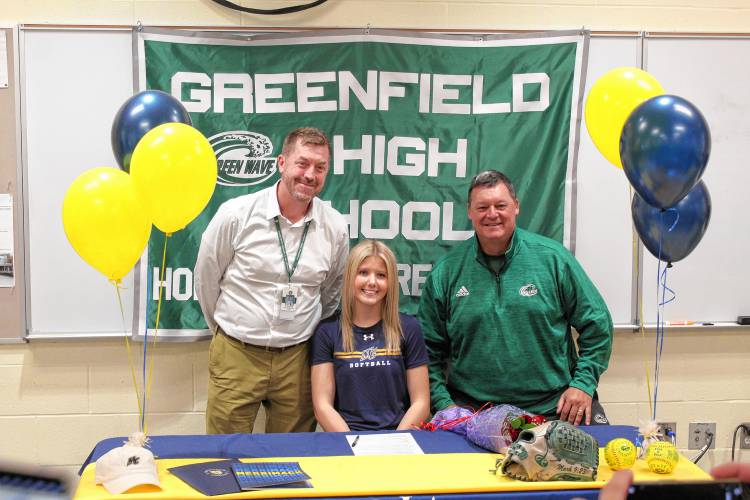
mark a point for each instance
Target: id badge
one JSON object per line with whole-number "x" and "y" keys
{"x": 288, "y": 301}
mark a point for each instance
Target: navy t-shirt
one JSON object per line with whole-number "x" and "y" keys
{"x": 371, "y": 390}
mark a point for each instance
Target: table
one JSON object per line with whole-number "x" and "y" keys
{"x": 451, "y": 468}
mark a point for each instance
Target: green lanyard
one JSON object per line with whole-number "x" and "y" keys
{"x": 290, "y": 272}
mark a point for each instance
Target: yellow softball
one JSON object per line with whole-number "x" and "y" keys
{"x": 662, "y": 457}
{"x": 620, "y": 454}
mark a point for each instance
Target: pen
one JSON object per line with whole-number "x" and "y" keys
{"x": 354, "y": 443}
{"x": 688, "y": 323}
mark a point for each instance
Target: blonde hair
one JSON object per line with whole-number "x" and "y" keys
{"x": 389, "y": 306}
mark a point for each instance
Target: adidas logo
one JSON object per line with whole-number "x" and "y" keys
{"x": 462, "y": 292}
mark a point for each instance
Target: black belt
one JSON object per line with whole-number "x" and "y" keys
{"x": 258, "y": 347}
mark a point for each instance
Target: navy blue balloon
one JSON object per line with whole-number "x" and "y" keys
{"x": 680, "y": 228}
{"x": 664, "y": 148}
{"x": 142, "y": 112}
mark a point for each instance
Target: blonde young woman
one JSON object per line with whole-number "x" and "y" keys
{"x": 370, "y": 364}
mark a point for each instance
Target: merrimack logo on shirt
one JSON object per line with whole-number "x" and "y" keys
{"x": 528, "y": 290}
{"x": 369, "y": 353}
{"x": 370, "y": 357}
{"x": 243, "y": 158}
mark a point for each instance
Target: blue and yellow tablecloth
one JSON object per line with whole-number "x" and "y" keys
{"x": 433, "y": 474}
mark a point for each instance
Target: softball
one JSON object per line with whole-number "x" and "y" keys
{"x": 662, "y": 457}
{"x": 620, "y": 454}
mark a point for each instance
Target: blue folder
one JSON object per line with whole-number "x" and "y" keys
{"x": 210, "y": 478}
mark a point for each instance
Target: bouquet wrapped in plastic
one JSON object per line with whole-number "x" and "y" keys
{"x": 451, "y": 419}
{"x": 496, "y": 428}
{"x": 493, "y": 428}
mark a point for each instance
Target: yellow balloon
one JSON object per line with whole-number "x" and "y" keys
{"x": 105, "y": 221}
{"x": 610, "y": 101}
{"x": 174, "y": 170}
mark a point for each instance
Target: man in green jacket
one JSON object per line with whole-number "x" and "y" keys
{"x": 497, "y": 313}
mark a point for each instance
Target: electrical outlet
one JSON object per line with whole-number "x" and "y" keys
{"x": 745, "y": 437}
{"x": 668, "y": 430}
{"x": 699, "y": 435}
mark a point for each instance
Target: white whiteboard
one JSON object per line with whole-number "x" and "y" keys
{"x": 713, "y": 282}
{"x": 73, "y": 82}
{"x": 69, "y": 101}
{"x": 603, "y": 227}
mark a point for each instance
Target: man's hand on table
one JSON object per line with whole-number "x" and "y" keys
{"x": 575, "y": 406}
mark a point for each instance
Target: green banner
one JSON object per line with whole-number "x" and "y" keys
{"x": 411, "y": 120}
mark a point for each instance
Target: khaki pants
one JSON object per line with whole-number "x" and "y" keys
{"x": 242, "y": 377}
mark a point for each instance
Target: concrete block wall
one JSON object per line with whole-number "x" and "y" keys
{"x": 704, "y": 377}
{"x": 58, "y": 399}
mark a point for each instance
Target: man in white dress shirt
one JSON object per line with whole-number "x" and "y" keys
{"x": 269, "y": 268}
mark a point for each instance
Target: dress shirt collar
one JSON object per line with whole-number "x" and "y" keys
{"x": 273, "y": 209}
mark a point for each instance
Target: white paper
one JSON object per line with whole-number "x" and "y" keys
{"x": 3, "y": 59}
{"x": 6, "y": 241}
{"x": 384, "y": 444}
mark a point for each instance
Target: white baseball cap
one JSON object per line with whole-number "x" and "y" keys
{"x": 125, "y": 467}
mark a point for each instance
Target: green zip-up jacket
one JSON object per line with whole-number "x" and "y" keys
{"x": 506, "y": 337}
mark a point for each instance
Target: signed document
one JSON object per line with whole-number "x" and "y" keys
{"x": 384, "y": 444}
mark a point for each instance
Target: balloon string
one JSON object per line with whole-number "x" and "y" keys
{"x": 118, "y": 284}
{"x": 661, "y": 294}
{"x": 645, "y": 361}
{"x": 664, "y": 288}
{"x": 663, "y": 276}
{"x": 661, "y": 287}
{"x": 156, "y": 326}
{"x": 658, "y": 320}
{"x": 641, "y": 325}
{"x": 660, "y": 339}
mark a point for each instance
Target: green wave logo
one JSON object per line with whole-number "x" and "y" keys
{"x": 244, "y": 158}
